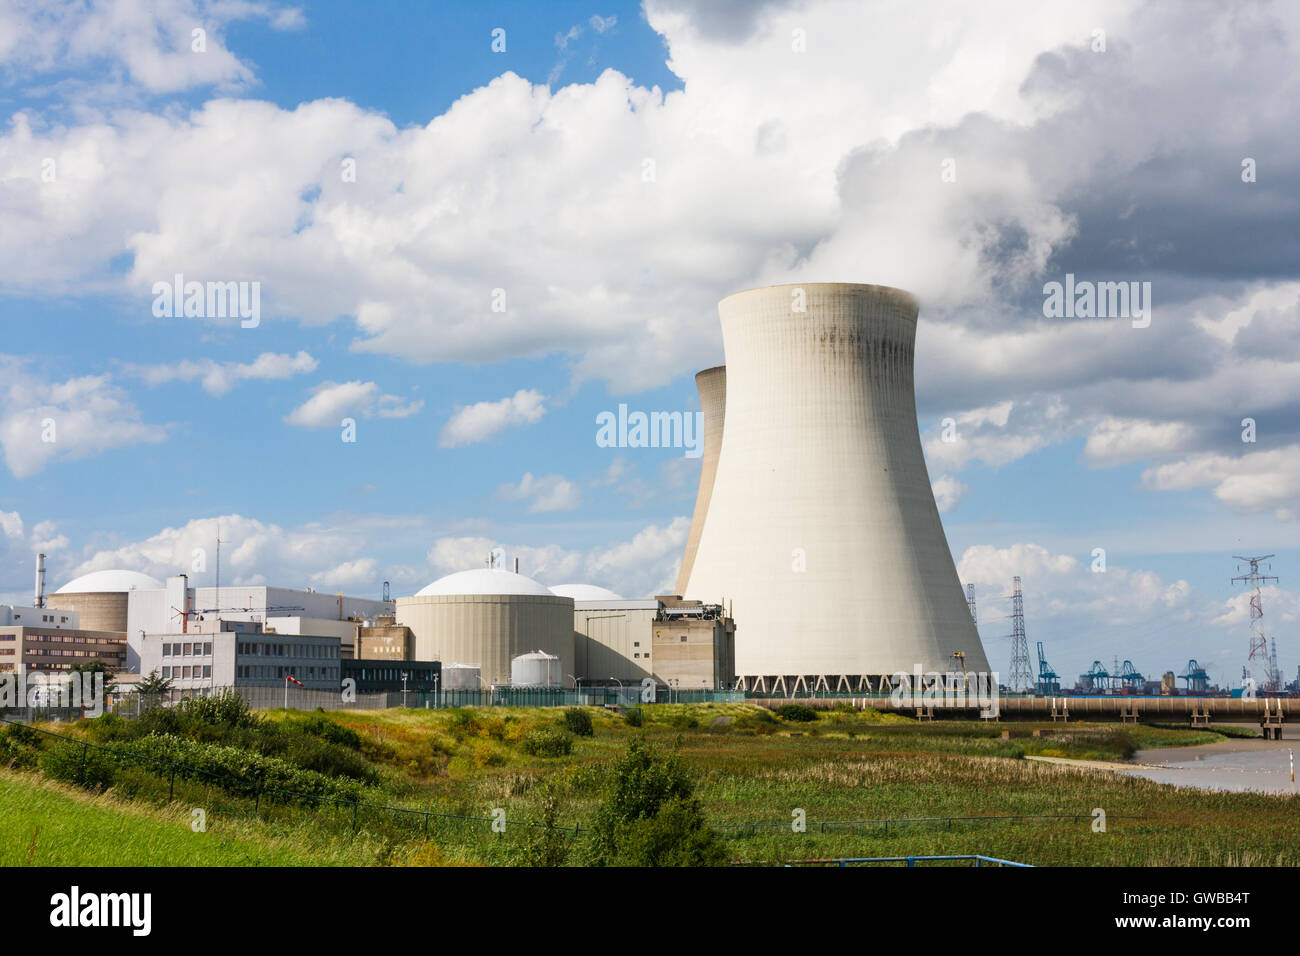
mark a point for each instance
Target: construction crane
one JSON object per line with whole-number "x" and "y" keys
{"x": 1198, "y": 681}
{"x": 1096, "y": 680}
{"x": 1048, "y": 682}
{"x": 1128, "y": 679}
{"x": 269, "y": 611}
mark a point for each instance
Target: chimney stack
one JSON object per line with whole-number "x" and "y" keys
{"x": 40, "y": 581}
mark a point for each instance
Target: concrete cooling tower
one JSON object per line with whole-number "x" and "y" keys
{"x": 820, "y": 528}
{"x": 712, "y": 386}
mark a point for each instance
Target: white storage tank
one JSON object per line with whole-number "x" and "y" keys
{"x": 461, "y": 677}
{"x": 536, "y": 669}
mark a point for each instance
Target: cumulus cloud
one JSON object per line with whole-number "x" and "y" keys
{"x": 483, "y": 420}
{"x": 645, "y": 565}
{"x": 218, "y": 378}
{"x": 1261, "y": 481}
{"x": 547, "y": 492}
{"x": 154, "y": 43}
{"x": 331, "y": 402}
{"x": 43, "y": 421}
{"x": 967, "y": 153}
{"x": 252, "y": 552}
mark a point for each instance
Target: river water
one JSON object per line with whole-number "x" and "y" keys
{"x": 1231, "y": 765}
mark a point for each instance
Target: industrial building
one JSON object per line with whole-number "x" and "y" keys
{"x": 51, "y": 650}
{"x": 386, "y": 676}
{"x": 135, "y": 604}
{"x": 214, "y": 654}
{"x": 488, "y": 617}
{"x": 679, "y": 644}
{"x": 819, "y": 528}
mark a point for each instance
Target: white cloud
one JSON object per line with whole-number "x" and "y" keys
{"x": 644, "y": 565}
{"x": 548, "y": 492}
{"x": 218, "y": 378}
{"x": 483, "y": 420}
{"x": 948, "y": 491}
{"x": 43, "y": 421}
{"x": 331, "y": 402}
{"x": 154, "y": 42}
{"x": 252, "y": 552}
{"x": 1259, "y": 481}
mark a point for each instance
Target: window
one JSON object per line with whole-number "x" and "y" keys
{"x": 683, "y": 638}
{"x": 167, "y": 672}
{"x": 185, "y": 671}
{"x": 636, "y": 643}
{"x": 189, "y": 650}
{"x": 207, "y": 670}
{"x": 207, "y": 648}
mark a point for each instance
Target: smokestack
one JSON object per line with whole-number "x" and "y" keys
{"x": 40, "y": 581}
{"x": 516, "y": 565}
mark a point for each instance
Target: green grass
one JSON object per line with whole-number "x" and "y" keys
{"x": 843, "y": 767}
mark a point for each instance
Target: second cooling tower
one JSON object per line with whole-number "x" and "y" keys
{"x": 821, "y": 528}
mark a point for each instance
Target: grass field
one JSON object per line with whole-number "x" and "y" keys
{"x": 753, "y": 773}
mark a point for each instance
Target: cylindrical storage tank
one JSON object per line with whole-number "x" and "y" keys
{"x": 822, "y": 530}
{"x": 536, "y": 670}
{"x": 712, "y": 386}
{"x": 461, "y": 677}
{"x": 101, "y": 597}
{"x": 489, "y": 615}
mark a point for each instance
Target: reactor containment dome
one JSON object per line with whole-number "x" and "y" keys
{"x": 819, "y": 526}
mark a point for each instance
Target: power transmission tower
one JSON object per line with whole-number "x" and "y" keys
{"x": 1022, "y": 677}
{"x": 970, "y": 603}
{"x": 1259, "y": 662}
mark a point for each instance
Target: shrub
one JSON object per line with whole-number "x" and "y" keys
{"x": 546, "y": 742}
{"x": 77, "y": 763}
{"x": 236, "y": 770}
{"x": 17, "y": 750}
{"x": 578, "y": 722}
{"x": 799, "y": 713}
{"x": 549, "y": 844}
{"x": 650, "y": 816}
{"x": 635, "y": 716}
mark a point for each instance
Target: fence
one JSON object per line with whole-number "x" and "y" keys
{"x": 301, "y": 698}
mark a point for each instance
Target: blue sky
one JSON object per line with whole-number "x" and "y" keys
{"x": 526, "y": 171}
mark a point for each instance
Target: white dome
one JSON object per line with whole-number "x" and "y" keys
{"x": 109, "y": 582}
{"x": 485, "y": 581}
{"x": 585, "y": 592}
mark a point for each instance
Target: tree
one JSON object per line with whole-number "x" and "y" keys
{"x": 153, "y": 684}
{"x": 88, "y": 669}
{"x": 650, "y": 816}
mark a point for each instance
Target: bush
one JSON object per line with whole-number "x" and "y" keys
{"x": 578, "y": 722}
{"x": 236, "y": 770}
{"x": 545, "y": 742}
{"x": 77, "y": 763}
{"x": 19, "y": 748}
{"x": 635, "y": 716}
{"x": 650, "y": 816}
{"x": 797, "y": 712}
{"x": 549, "y": 844}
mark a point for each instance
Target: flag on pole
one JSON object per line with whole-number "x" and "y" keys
{"x": 290, "y": 677}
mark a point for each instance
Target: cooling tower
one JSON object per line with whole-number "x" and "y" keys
{"x": 821, "y": 529}
{"x": 712, "y": 386}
